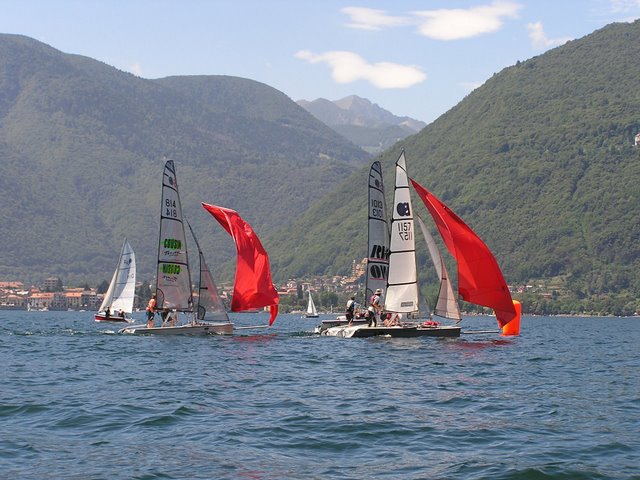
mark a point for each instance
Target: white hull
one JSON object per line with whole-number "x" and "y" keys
{"x": 194, "y": 328}
{"x": 404, "y": 331}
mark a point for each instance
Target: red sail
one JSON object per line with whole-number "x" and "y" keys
{"x": 253, "y": 287}
{"x": 480, "y": 280}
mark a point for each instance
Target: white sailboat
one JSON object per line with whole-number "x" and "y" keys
{"x": 378, "y": 246}
{"x": 402, "y": 295}
{"x": 311, "y": 308}
{"x": 173, "y": 278}
{"x": 117, "y": 304}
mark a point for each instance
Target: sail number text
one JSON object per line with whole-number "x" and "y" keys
{"x": 171, "y": 208}
{"x": 404, "y": 230}
{"x": 377, "y": 208}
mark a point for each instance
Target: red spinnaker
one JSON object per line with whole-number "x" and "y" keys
{"x": 480, "y": 280}
{"x": 253, "y": 287}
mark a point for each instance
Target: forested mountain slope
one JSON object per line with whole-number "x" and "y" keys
{"x": 539, "y": 161}
{"x": 82, "y": 147}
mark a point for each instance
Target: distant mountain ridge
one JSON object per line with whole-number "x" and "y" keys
{"x": 364, "y": 123}
{"x": 82, "y": 147}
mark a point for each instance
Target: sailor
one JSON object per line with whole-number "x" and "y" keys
{"x": 351, "y": 305}
{"x": 151, "y": 311}
{"x": 375, "y": 308}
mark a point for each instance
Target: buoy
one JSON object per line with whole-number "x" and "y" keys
{"x": 513, "y": 327}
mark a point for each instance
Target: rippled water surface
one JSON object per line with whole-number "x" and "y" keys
{"x": 79, "y": 401}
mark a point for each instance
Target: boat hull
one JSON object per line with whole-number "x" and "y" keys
{"x": 405, "y": 331}
{"x": 103, "y": 318}
{"x": 195, "y": 328}
{"x": 338, "y": 322}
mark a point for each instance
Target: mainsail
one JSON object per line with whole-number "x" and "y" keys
{"x": 446, "y": 304}
{"x": 402, "y": 284}
{"x": 253, "y": 287}
{"x": 209, "y": 306}
{"x": 378, "y": 256}
{"x": 121, "y": 291}
{"x": 173, "y": 280}
{"x": 311, "y": 307}
{"x": 480, "y": 280}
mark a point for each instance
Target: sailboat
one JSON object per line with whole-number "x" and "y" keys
{"x": 378, "y": 246}
{"x": 479, "y": 281}
{"x": 311, "y": 308}
{"x": 173, "y": 277}
{"x": 117, "y": 304}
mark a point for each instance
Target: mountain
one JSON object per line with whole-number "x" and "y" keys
{"x": 540, "y": 161}
{"x": 83, "y": 145}
{"x": 367, "y": 125}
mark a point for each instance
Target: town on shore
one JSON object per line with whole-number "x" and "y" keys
{"x": 330, "y": 293}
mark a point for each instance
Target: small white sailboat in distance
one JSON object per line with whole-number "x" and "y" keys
{"x": 311, "y": 308}
{"x": 117, "y": 304}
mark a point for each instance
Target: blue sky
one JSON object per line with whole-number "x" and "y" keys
{"x": 415, "y": 58}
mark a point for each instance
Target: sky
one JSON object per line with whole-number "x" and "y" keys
{"x": 413, "y": 58}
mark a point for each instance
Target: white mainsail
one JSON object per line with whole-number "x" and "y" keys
{"x": 378, "y": 255}
{"x": 311, "y": 307}
{"x": 402, "y": 284}
{"x": 173, "y": 280}
{"x": 446, "y": 305}
{"x": 121, "y": 291}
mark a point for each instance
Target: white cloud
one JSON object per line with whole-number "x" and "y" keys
{"x": 348, "y": 67}
{"x": 456, "y": 24}
{"x": 623, "y": 6}
{"x": 539, "y": 39}
{"x": 371, "y": 19}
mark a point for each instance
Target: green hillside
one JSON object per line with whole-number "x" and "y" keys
{"x": 82, "y": 147}
{"x": 539, "y": 161}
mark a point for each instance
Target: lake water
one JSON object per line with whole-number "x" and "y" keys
{"x": 79, "y": 401}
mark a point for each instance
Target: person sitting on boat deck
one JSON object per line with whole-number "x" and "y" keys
{"x": 351, "y": 306}
{"x": 392, "y": 319}
{"x": 121, "y": 313}
{"x": 173, "y": 316}
{"x": 107, "y": 312}
{"x": 375, "y": 308}
{"x": 164, "y": 315}
{"x": 151, "y": 311}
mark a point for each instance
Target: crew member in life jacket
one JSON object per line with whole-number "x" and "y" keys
{"x": 151, "y": 311}
{"x": 375, "y": 308}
